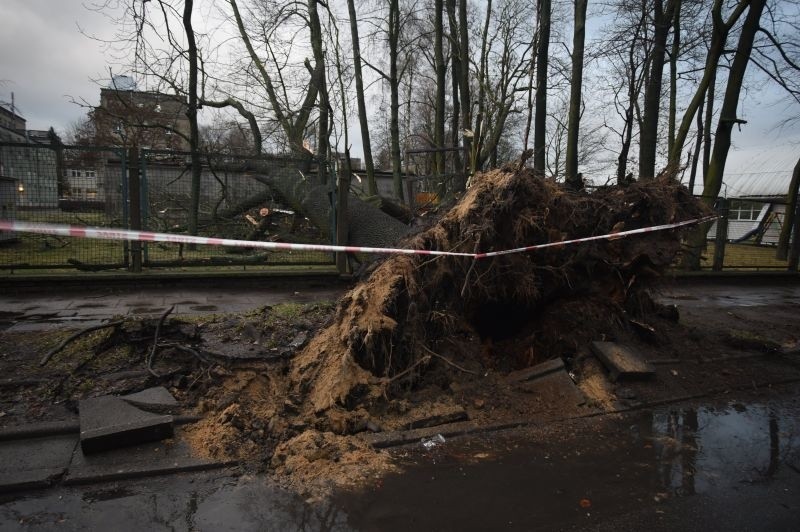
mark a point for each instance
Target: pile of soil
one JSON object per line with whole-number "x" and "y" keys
{"x": 418, "y": 321}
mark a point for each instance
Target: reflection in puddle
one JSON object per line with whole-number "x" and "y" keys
{"x": 590, "y": 472}
{"x": 704, "y": 449}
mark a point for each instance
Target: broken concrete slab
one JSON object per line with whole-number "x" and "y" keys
{"x": 621, "y": 361}
{"x": 34, "y": 462}
{"x": 156, "y": 399}
{"x": 109, "y": 422}
{"x": 534, "y": 372}
{"x": 38, "y": 430}
{"x": 143, "y": 460}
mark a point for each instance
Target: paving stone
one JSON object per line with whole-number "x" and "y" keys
{"x": 156, "y": 399}
{"x": 142, "y": 460}
{"x": 35, "y": 462}
{"x": 622, "y": 362}
{"x": 109, "y": 422}
{"x": 534, "y": 372}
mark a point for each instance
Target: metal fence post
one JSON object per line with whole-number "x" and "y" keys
{"x": 342, "y": 191}
{"x": 722, "y": 234}
{"x": 135, "y": 212}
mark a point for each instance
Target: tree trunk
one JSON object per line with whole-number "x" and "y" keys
{"x": 540, "y": 115}
{"x": 789, "y": 216}
{"x": 394, "y": 106}
{"x": 573, "y": 125}
{"x": 191, "y": 113}
{"x": 323, "y": 131}
{"x": 697, "y": 147}
{"x": 727, "y": 116}
{"x": 673, "y": 75}
{"x": 466, "y": 100}
{"x": 727, "y": 119}
{"x": 372, "y": 186}
{"x": 719, "y": 36}
{"x": 648, "y": 137}
{"x": 455, "y": 60}
{"x": 438, "y": 59}
{"x": 367, "y": 225}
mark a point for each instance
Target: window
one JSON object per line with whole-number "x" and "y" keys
{"x": 744, "y": 210}
{"x": 89, "y": 173}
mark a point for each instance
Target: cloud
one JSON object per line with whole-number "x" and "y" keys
{"x": 46, "y": 60}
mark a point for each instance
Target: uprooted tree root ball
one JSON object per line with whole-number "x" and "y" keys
{"x": 419, "y": 320}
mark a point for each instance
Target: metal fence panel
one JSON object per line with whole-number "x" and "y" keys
{"x": 233, "y": 204}
{"x": 62, "y": 185}
{"x": 748, "y": 231}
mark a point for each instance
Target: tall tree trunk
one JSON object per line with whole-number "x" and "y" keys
{"x": 372, "y": 186}
{"x": 789, "y": 216}
{"x": 540, "y": 115}
{"x": 323, "y": 130}
{"x": 455, "y": 60}
{"x": 438, "y": 59}
{"x": 466, "y": 100}
{"x": 673, "y": 75}
{"x": 719, "y": 36}
{"x": 709, "y": 118}
{"x": 648, "y": 138}
{"x": 727, "y": 119}
{"x": 394, "y": 106}
{"x": 483, "y": 67}
{"x": 576, "y": 82}
{"x": 697, "y": 147}
{"x": 191, "y": 113}
{"x": 727, "y": 115}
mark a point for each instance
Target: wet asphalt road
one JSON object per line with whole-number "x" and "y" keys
{"x": 727, "y": 464}
{"x": 731, "y": 463}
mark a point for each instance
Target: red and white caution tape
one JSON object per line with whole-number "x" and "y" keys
{"x": 610, "y": 236}
{"x": 147, "y": 236}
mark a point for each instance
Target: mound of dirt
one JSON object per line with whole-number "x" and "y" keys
{"x": 417, "y": 321}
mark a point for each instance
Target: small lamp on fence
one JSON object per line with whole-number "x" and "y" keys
{"x": 20, "y": 187}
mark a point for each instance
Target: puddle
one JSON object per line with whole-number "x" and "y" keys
{"x": 650, "y": 458}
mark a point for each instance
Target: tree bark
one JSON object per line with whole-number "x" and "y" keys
{"x": 673, "y": 75}
{"x": 540, "y": 114}
{"x": 719, "y": 36}
{"x": 191, "y": 113}
{"x": 648, "y": 137}
{"x": 438, "y": 59}
{"x": 372, "y": 186}
{"x": 576, "y": 82}
{"x": 727, "y": 119}
{"x": 394, "y": 106}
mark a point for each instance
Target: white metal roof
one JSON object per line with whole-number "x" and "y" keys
{"x": 758, "y": 172}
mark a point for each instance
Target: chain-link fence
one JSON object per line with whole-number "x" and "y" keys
{"x": 62, "y": 185}
{"x": 149, "y": 190}
{"x": 233, "y": 203}
{"x": 152, "y": 190}
{"x": 747, "y": 234}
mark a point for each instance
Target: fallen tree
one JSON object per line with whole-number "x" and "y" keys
{"x": 367, "y": 225}
{"x": 417, "y": 319}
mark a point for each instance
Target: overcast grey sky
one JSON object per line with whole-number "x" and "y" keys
{"x": 46, "y": 61}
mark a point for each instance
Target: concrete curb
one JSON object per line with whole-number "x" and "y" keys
{"x": 58, "y": 428}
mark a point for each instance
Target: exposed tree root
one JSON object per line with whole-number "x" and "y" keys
{"x": 504, "y": 312}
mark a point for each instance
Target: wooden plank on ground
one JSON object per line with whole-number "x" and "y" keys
{"x": 623, "y": 362}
